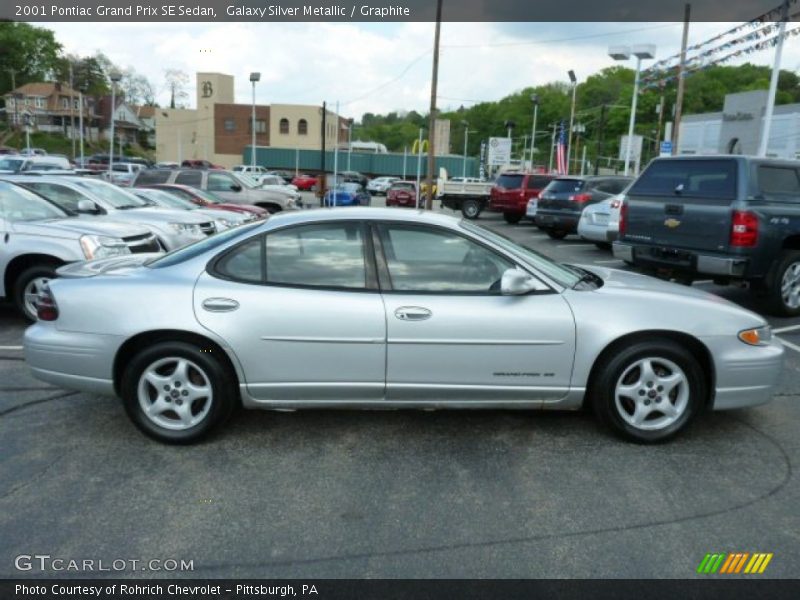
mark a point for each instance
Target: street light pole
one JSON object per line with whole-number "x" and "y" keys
{"x": 535, "y": 100}
{"x": 574, "y": 81}
{"x": 773, "y": 82}
{"x": 419, "y": 164}
{"x": 254, "y": 78}
{"x": 115, "y": 77}
{"x": 349, "y": 141}
{"x": 80, "y": 124}
{"x": 640, "y": 51}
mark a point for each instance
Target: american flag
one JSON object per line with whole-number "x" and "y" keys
{"x": 561, "y": 151}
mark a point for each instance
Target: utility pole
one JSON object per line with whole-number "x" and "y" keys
{"x": 322, "y": 151}
{"x": 676, "y": 128}
{"x": 432, "y": 118}
{"x": 773, "y": 82}
{"x": 600, "y": 131}
{"x": 552, "y": 147}
{"x": 574, "y": 81}
{"x": 71, "y": 111}
{"x": 16, "y": 99}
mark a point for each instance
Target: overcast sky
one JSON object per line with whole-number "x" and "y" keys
{"x": 380, "y": 67}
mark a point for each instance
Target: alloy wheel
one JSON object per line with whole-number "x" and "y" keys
{"x": 790, "y": 286}
{"x": 30, "y": 295}
{"x": 175, "y": 393}
{"x": 652, "y": 393}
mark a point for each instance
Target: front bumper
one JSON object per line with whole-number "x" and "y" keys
{"x": 682, "y": 260}
{"x": 75, "y": 361}
{"x": 745, "y": 375}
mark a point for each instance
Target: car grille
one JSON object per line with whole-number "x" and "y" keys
{"x": 208, "y": 228}
{"x": 142, "y": 243}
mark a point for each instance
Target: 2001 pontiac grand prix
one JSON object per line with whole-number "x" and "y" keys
{"x": 379, "y": 308}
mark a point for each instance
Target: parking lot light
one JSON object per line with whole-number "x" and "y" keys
{"x": 115, "y": 77}
{"x": 640, "y": 51}
{"x": 574, "y": 81}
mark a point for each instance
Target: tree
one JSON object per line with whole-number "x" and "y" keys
{"x": 176, "y": 81}
{"x": 88, "y": 74}
{"x": 31, "y": 53}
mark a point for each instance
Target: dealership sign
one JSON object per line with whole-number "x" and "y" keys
{"x": 499, "y": 151}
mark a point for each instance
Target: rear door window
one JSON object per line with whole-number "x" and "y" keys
{"x": 190, "y": 178}
{"x": 711, "y": 179}
{"x": 781, "y": 183}
{"x": 151, "y": 176}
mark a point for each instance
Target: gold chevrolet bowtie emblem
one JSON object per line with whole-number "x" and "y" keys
{"x": 672, "y": 223}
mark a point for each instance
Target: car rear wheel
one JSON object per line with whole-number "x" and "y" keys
{"x": 512, "y": 218}
{"x": 784, "y": 291}
{"x": 648, "y": 391}
{"x": 556, "y": 234}
{"x": 27, "y": 287}
{"x": 471, "y": 209}
{"x": 176, "y": 392}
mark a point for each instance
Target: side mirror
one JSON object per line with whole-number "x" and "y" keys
{"x": 516, "y": 282}
{"x": 87, "y": 206}
{"x": 236, "y": 187}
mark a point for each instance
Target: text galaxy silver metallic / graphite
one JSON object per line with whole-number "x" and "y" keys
{"x": 277, "y": 10}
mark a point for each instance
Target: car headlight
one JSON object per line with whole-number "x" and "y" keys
{"x": 101, "y": 246}
{"x": 187, "y": 228}
{"x": 758, "y": 336}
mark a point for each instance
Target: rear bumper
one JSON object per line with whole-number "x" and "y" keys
{"x": 682, "y": 260}
{"x": 75, "y": 361}
{"x": 552, "y": 220}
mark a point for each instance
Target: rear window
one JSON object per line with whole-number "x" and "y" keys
{"x": 565, "y": 186}
{"x": 150, "y": 177}
{"x": 402, "y": 186}
{"x": 781, "y": 181}
{"x": 538, "y": 182}
{"x": 509, "y": 182}
{"x": 694, "y": 179}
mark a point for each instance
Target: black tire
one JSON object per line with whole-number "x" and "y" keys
{"x": 556, "y": 234}
{"x": 603, "y": 245}
{"x": 46, "y": 271}
{"x": 471, "y": 209}
{"x": 613, "y": 365}
{"x": 786, "y": 272}
{"x": 223, "y": 386}
{"x": 512, "y": 218}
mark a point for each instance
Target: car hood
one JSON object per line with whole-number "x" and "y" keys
{"x": 76, "y": 227}
{"x": 117, "y": 265}
{"x": 156, "y": 214}
{"x": 659, "y": 297}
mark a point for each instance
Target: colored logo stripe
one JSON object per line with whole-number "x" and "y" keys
{"x": 734, "y": 562}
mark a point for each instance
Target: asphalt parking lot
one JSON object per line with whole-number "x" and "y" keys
{"x": 399, "y": 494}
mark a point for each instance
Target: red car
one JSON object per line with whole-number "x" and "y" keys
{"x": 402, "y": 193}
{"x": 304, "y": 182}
{"x": 207, "y": 200}
{"x": 512, "y": 191}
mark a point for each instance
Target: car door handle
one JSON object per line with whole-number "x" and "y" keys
{"x": 220, "y": 304}
{"x": 412, "y": 313}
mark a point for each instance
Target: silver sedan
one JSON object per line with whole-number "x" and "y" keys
{"x": 375, "y": 308}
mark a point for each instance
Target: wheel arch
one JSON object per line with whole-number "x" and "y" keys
{"x": 141, "y": 340}
{"x": 20, "y": 263}
{"x": 699, "y": 350}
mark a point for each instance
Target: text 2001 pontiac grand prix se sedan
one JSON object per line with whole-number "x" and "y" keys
{"x": 378, "y": 308}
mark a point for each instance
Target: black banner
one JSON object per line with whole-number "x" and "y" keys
{"x": 399, "y": 589}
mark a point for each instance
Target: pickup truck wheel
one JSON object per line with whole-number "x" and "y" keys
{"x": 176, "y": 393}
{"x": 784, "y": 292}
{"x": 556, "y": 234}
{"x": 648, "y": 391}
{"x": 471, "y": 209}
{"x": 27, "y": 287}
{"x": 512, "y": 218}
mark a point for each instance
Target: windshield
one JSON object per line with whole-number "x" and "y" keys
{"x": 111, "y": 194}
{"x": 11, "y": 164}
{"x": 188, "y": 252}
{"x": 19, "y": 204}
{"x": 559, "y": 273}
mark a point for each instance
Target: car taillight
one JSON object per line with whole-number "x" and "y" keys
{"x": 744, "y": 229}
{"x": 623, "y": 218}
{"x": 581, "y": 198}
{"x": 616, "y": 204}
{"x": 46, "y": 307}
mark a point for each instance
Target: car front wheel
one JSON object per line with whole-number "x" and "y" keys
{"x": 471, "y": 209}
{"x": 649, "y": 391}
{"x": 556, "y": 234}
{"x": 176, "y": 392}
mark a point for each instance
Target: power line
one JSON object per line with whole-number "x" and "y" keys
{"x": 558, "y": 40}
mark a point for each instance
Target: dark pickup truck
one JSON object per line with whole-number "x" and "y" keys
{"x": 729, "y": 218}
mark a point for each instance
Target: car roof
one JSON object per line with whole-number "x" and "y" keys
{"x": 366, "y": 213}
